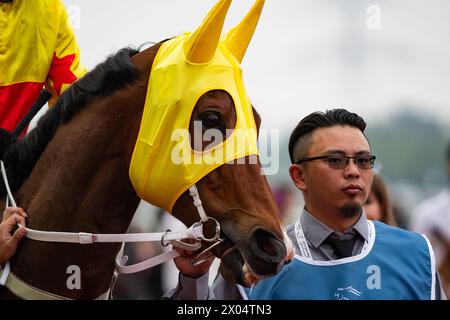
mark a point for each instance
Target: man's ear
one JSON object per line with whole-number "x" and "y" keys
{"x": 297, "y": 173}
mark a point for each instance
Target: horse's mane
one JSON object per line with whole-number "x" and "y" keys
{"x": 20, "y": 156}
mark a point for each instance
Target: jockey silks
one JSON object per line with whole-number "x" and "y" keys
{"x": 37, "y": 47}
{"x": 164, "y": 164}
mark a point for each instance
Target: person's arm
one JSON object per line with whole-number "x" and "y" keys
{"x": 438, "y": 237}
{"x": 191, "y": 289}
{"x": 65, "y": 67}
{"x": 192, "y": 280}
{"x": 8, "y": 240}
{"x": 439, "y": 291}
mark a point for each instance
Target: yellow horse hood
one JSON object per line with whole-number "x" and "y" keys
{"x": 163, "y": 164}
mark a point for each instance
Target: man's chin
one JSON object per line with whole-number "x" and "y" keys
{"x": 350, "y": 210}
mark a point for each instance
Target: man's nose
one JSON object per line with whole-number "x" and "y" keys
{"x": 351, "y": 169}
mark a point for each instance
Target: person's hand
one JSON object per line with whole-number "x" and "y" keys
{"x": 184, "y": 263}
{"x": 8, "y": 241}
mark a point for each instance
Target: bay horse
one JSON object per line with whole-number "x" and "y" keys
{"x": 70, "y": 174}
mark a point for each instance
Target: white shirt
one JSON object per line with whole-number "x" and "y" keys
{"x": 433, "y": 215}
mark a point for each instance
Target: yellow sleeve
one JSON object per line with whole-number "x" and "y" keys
{"x": 65, "y": 67}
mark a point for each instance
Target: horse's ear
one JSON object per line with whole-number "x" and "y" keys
{"x": 238, "y": 38}
{"x": 201, "y": 45}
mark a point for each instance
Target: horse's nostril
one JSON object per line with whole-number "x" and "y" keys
{"x": 267, "y": 246}
{"x": 265, "y": 242}
{"x": 267, "y": 252}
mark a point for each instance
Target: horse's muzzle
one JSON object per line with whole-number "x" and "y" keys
{"x": 266, "y": 253}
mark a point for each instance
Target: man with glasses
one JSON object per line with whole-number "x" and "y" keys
{"x": 340, "y": 253}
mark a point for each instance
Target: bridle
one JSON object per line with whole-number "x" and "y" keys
{"x": 194, "y": 232}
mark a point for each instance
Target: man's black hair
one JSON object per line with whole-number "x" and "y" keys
{"x": 318, "y": 120}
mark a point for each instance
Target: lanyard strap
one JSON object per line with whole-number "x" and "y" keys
{"x": 305, "y": 252}
{"x": 301, "y": 241}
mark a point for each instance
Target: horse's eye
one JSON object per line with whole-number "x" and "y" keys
{"x": 211, "y": 120}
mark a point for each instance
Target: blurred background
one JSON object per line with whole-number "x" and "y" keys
{"x": 386, "y": 60}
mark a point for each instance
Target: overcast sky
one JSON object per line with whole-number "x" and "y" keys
{"x": 368, "y": 56}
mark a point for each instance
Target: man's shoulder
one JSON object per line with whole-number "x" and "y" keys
{"x": 382, "y": 227}
{"x": 398, "y": 237}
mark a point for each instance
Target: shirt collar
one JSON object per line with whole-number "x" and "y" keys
{"x": 316, "y": 232}
{"x": 362, "y": 227}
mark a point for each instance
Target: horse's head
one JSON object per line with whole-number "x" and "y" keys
{"x": 199, "y": 127}
{"x": 238, "y": 196}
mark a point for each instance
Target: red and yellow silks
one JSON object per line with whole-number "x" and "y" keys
{"x": 37, "y": 48}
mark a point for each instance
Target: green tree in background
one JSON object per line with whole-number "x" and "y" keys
{"x": 410, "y": 147}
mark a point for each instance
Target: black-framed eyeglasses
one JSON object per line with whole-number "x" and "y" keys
{"x": 340, "y": 161}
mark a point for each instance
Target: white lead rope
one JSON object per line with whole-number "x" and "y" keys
{"x": 121, "y": 260}
{"x": 194, "y": 232}
{"x": 5, "y": 180}
{"x": 143, "y": 265}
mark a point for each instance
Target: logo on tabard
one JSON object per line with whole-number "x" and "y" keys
{"x": 346, "y": 293}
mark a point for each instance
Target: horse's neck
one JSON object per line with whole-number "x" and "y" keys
{"x": 81, "y": 183}
{"x": 81, "y": 180}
